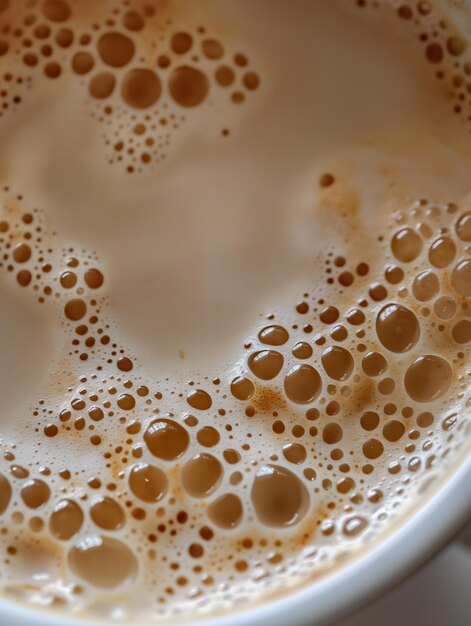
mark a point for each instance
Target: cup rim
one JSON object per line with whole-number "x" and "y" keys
{"x": 388, "y": 562}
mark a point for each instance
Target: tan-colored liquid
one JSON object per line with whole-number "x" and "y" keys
{"x": 235, "y": 274}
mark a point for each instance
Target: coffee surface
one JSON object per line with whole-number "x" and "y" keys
{"x": 235, "y": 274}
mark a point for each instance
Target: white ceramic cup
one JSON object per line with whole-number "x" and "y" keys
{"x": 343, "y": 591}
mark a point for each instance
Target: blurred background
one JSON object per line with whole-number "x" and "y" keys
{"x": 439, "y": 594}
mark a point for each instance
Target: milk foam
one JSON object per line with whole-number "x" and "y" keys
{"x": 235, "y": 264}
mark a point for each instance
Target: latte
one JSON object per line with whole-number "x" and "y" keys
{"x": 235, "y": 265}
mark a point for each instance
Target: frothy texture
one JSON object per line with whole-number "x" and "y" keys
{"x": 252, "y": 293}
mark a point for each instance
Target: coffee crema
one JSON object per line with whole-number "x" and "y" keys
{"x": 236, "y": 276}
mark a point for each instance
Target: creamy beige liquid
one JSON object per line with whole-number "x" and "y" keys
{"x": 235, "y": 273}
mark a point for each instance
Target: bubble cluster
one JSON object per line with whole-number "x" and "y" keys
{"x": 352, "y": 394}
{"x": 141, "y": 75}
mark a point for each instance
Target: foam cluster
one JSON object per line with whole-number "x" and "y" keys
{"x": 140, "y": 74}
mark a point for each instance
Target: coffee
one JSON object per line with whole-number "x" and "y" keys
{"x": 235, "y": 267}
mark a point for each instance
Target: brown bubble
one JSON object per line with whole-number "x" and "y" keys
{"x": 212, "y": 49}
{"x": 148, "y": 483}
{"x": 208, "y": 436}
{"x": 94, "y": 278}
{"x": 224, "y": 76}
{"x": 449, "y": 422}
{"x": 42, "y": 31}
{"x": 302, "y": 350}
{"x": 231, "y": 456}
{"x": 35, "y": 493}
{"x": 397, "y": 328}
{"x": 373, "y": 449}
{"x": 181, "y": 42}
{"x": 393, "y": 430}
{"x": 115, "y": 49}
{"x": 53, "y": 70}
{"x": 346, "y": 279}
{"x": 444, "y": 308}
{"x": 442, "y": 252}
{"x": 199, "y": 399}
{"x": 302, "y": 384}
{"x": 103, "y": 562}
{"x": 279, "y": 497}
{"x": 188, "y": 86}
{"x": 66, "y": 520}
{"x": 294, "y": 453}
{"x": 463, "y": 227}
{"x": 29, "y": 59}
{"x": 102, "y": 85}
{"x": 125, "y": 364}
{"x": 240, "y": 59}
{"x": 68, "y": 280}
{"x": 95, "y": 413}
{"x": 461, "y": 331}
{"x": 5, "y": 494}
{"x": 18, "y": 471}
{"x": 332, "y": 433}
{"x": 337, "y": 363}
{"x": 141, "y": 88}
{"x": 362, "y": 269}
{"x": 265, "y": 364}
{"x": 394, "y": 275}
{"x": 355, "y": 317}
{"x": 455, "y": 45}
{"x": 24, "y": 278}
{"x": 434, "y": 53}
{"x": 273, "y": 335}
{"x": 65, "y": 38}
{"x": 107, "y": 514}
{"x": 369, "y": 420}
{"x": 339, "y": 333}
{"x": 227, "y": 511}
{"x": 251, "y": 81}
{"x": 126, "y": 402}
{"x": 425, "y": 419}
{"x": 405, "y": 12}
{"x": 461, "y": 278}
{"x": 353, "y": 526}
{"x": 374, "y": 364}
{"x": 377, "y": 292}
{"x": 133, "y": 21}
{"x": 51, "y": 430}
{"x": 21, "y": 253}
{"x": 242, "y": 388}
{"x": 329, "y": 315}
{"x": 163, "y": 61}
{"x": 425, "y": 286}
{"x": 344, "y": 485}
{"x": 166, "y": 439}
{"x": 428, "y": 378}
{"x": 386, "y": 386}
{"x": 201, "y": 475}
{"x": 406, "y": 245}
{"x": 56, "y": 10}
